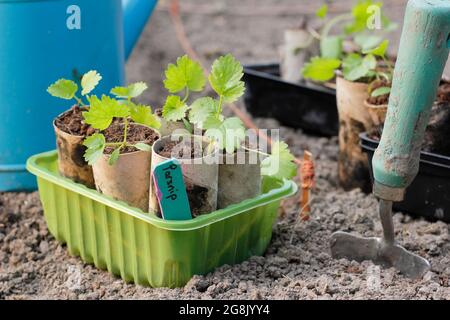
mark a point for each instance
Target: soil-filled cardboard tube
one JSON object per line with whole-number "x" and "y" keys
{"x": 200, "y": 176}
{"x": 239, "y": 177}
{"x": 376, "y": 112}
{"x": 353, "y": 119}
{"x": 127, "y": 180}
{"x": 71, "y": 163}
{"x": 294, "y": 56}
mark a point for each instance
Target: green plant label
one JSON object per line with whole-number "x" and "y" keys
{"x": 171, "y": 191}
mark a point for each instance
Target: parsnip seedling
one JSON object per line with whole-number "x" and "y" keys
{"x": 206, "y": 112}
{"x": 280, "y": 163}
{"x": 103, "y": 111}
{"x": 67, "y": 89}
{"x": 184, "y": 76}
{"x": 356, "y": 65}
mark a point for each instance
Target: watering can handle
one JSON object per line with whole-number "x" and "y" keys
{"x": 424, "y": 49}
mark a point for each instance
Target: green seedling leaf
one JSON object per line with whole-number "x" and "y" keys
{"x": 321, "y": 69}
{"x": 322, "y": 12}
{"x": 331, "y": 47}
{"x": 89, "y": 81}
{"x": 64, "y": 89}
{"x": 188, "y": 126}
{"x": 114, "y": 156}
{"x": 132, "y": 91}
{"x": 366, "y": 41}
{"x": 143, "y": 115}
{"x": 102, "y": 112}
{"x": 143, "y": 146}
{"x": 380, "y": 91}
{"x": 174, "y": 109}
{"x": 388, "y": 25}
{"x": 387, "y": 76}
{"x": 187, "y": 73}
{"x": 361, "y": 15}
{"x": 225, "y": 78}
{"x": 280, "y": 164}
{"x": 228, "y": 135}
{"x": 95, "y": 145}
{"x": 213, "y": 122}
{"x": 235, "y": 133}
{"x": 356, "y": 67}
{"x": 202, "y": 109}
{"x": 380, "y": 50}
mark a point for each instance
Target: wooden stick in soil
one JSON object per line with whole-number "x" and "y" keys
{"x": 307, "y": 183}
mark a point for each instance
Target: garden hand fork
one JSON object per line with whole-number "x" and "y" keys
{"x": 424, "y": 49}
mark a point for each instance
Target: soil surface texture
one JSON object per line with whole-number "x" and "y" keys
{"x": 297, "y": 263}
{"x": 72, "y": 122}
{"x": 181, "y": 150}
{"x": 135, "y": 133}
{"x": 443, "y": 94}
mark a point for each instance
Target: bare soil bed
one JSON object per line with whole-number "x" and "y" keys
{"x": 297, "y": 264}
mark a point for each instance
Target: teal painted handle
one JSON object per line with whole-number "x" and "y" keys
{"x": 421, "y": 60}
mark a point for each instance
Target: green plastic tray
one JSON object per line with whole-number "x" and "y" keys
{"x": 147, "y": 250}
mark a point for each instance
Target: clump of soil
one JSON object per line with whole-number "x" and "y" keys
{"x": 182, "y": 150}
{"x": 197, "y": 196}
{"x": 72, "y": 122}
{"x": 135, "y": 134}
{"x": 438, "y": 129}
{"x": 380, "y": 100}
{"x": 443, "y": 94}
{"x": 158, "y": 112}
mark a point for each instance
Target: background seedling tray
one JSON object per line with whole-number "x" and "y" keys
{"x": 142, "y": 248}
{"x": 428, "y": 195}
{"x": 299, "y": 105}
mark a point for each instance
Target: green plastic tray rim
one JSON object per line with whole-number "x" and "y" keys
{"x": 37, "y": 166}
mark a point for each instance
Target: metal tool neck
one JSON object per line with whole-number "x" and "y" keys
{"x": 387, "y": 221}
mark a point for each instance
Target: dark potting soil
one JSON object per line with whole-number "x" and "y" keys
{"x": 380, "y": 100}
{"x": 436, "y": 135}
{"x": 181, "y": 150}
{"x": 197, "y": 196}
{"x": 158, "y": 112}
{"x": 72, "y": 122}
{"x": 135, "y": 134}
{"x": 443, "y": 94}
{"x": 438, "y": 129}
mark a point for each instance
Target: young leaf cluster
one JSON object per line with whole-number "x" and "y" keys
{"x": 355, "y": 66}
{"x": 205, "y": 112}
{"x": 67, "y": 89}
{"x": 103, "y": 111}
{"x": 332, "y": 56}
{"x": 225, "y": 79}
{"x": 280, "y": 164}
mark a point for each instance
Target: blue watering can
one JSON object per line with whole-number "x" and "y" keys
{"x": 42, "y": 41}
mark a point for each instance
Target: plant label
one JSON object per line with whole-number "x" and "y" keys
{"x": 171, "y": 191}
